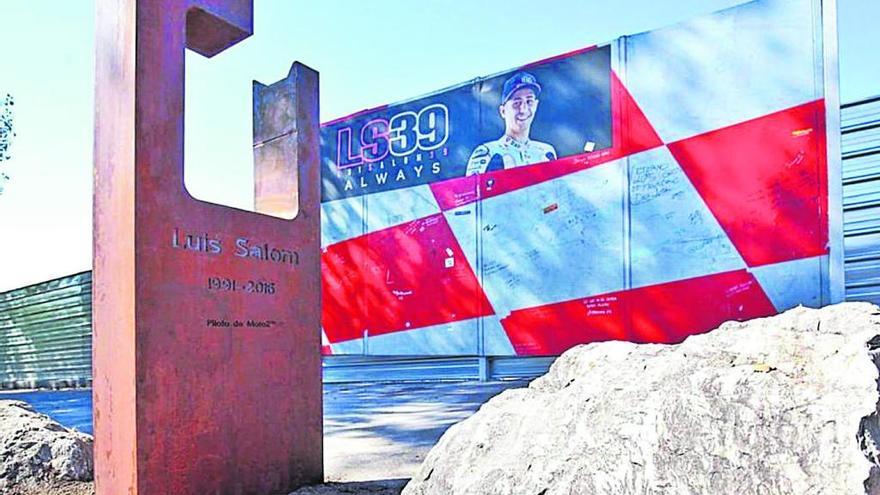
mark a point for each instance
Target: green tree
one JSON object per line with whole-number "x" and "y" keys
{"x": 6, "y": 135}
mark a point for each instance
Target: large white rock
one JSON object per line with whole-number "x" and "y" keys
{"x": 36, "y": 451}
{"x": 782, "y": 405}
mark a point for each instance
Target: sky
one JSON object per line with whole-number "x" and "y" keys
{"x": 367, "y": 53}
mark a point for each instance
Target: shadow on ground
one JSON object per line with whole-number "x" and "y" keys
{"x": 380, "y": 431}
{"x": 372, "y": 431}
{"x": 376, "y": 487}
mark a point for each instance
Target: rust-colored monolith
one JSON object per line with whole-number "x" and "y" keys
{"x": 207, "y": 372}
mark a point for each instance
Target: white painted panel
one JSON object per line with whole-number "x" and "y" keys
{"x": 341, "y": 220}
{"x": 792, "y": 283}
{"x": 724, "y": 68}
{"x": 674, "y": 235}
{"x": 447, "y": 339}
{"x": 390, "y": 208}
{"x": 554, "y": 241}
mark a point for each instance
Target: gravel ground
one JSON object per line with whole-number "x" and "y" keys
{"x": 60, "y": 488}
{"x": 387, "y": 487}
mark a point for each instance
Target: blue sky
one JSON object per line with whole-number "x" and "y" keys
{"x": 368, "y": 53}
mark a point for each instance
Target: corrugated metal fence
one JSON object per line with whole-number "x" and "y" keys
{"x": 860, "y": 145}
{"x": 46, "y": 336}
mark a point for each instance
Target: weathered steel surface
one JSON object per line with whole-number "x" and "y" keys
{"x": 281, "y": 116}
{"x": 206, "y": 319}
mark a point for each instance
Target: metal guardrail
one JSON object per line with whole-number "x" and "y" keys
{"x": 341, "y": 369}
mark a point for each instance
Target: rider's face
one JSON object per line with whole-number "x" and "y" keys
{"x": 519, "y": 110}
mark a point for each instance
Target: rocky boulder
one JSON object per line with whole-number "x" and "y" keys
{"x": 781, "y": 405}
{"x": 36, "y": 452}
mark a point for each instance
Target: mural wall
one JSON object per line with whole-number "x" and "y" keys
{"x": 644, "y": 190}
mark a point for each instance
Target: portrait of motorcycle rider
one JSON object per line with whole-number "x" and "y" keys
{"x": 519, "y": 105}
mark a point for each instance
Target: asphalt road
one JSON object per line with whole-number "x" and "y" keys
{"x": 372, "y": 431}
{"x": 71, "y": 408}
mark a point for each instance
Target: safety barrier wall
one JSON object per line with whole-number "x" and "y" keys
{"x": 46, "y": 334}
{"x": 860, "y": 140}
{"x": 645, "y": 190}
{"x": 45, "y": 329}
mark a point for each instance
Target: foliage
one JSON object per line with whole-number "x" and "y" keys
{"x": 6, "y": 134}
